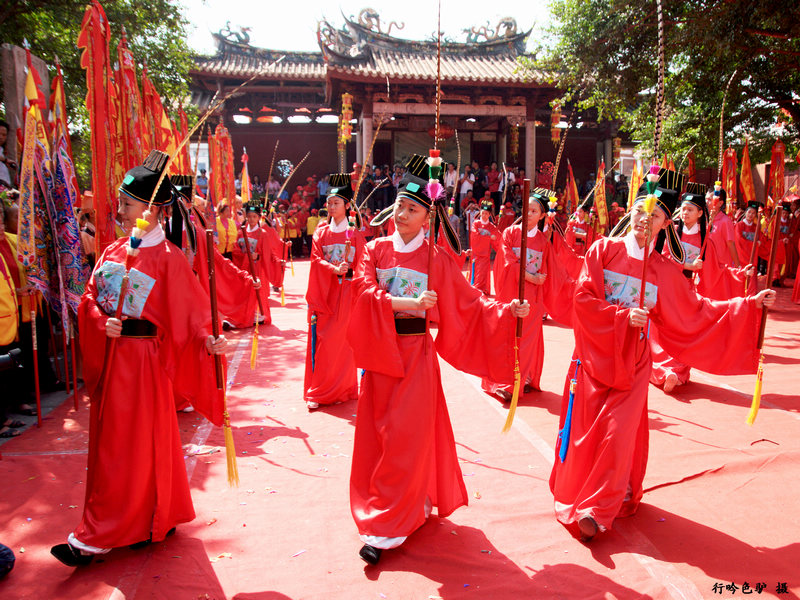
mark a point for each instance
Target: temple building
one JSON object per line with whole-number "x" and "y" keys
{"x": 491, "y": 108}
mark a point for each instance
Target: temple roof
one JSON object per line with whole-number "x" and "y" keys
{"x": 362, "y": 50}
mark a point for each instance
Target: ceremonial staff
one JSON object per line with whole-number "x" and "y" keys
{"x": 751, "y": 417}
{"x": 35, "y": 345}
{"x": 254, "y": 347}
{"x": 754, "y": 253}
{"x": 523, "y": 263}
{"x": 230, "y": 450}
{"x": 649, "y": 206}
{"x": 269, "y": 173}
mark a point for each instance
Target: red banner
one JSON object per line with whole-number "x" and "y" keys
{"x": 600, "y": 196}
{"x": 691, "y": 168}
{"x": 571, "y": 196}
{"x": 94, "y": 39}
{"x": 746, "y": 177}
{"x": 729, "y": 174}
{"x": 777, "y": 183}
{"x": 130, "y": 106}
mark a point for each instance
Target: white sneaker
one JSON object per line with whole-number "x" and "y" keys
{"x": 312, "y": 405}
{"x": 188, "y": 409}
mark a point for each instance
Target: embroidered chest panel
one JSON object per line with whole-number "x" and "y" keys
{"x": 749, "y": 235}
{"x": 108, "y": 279}
{"x": 253, "y": 243}
{"x": 623, "y": 290}
{"x": 690, "y": 251}
{"x": 404, "y": 283}
{"x": 335, "y": 252}
{"x": 534, "y": 262}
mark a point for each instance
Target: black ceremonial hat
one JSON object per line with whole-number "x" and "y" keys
{"x": 341, "y": 186}
{"x": 140, "y": 182}
{"x": 253, "y": 206}
{"x": 414, "y": 181}
{"x": 542, "y": 196}
{"x": 183, "y": 185}
{"x": 668, "y": 190}
{"x": 695, "y": 194}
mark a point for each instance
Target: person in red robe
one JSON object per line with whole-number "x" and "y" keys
{"x": 136, "y": 485}
{"x": 579, "y": 233}
{"x": 601, "y": 452}
{"x": 745, "y": 231}
{"x": 507, "y": 217}
{"x": 722, "y": 232}
{"x": 331, "y": 372}
{"x": 261, "y": 253}
{"x": 404, "y": 454}
{"x": 543, "y": 290}
{"x": 483, "y": 236}
{"x": 708, "y": 277}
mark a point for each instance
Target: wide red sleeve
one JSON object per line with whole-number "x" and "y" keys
{"x": 715, "y": 336}
{"x": 371, "y": 332}
{"x": 566, "y": 255}
{"x": 605, "y": 343}
{"x": 558, "y": 289}
{"x": 92, "y": 327}
{"x": 187, "y": 315}
{"x": 717, "y": 281}
{"x": 476, "y": 335}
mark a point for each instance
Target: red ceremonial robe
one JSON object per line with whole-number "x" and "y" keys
{"x": 331, "y": 376}
{"x": 796, "y": 290}
{"x": 136, "y": 484}
{"x": 579, "y": 235}
{"x": 745, "y": 235}
{"x": 540, "y": 259}
{"x": 482, "y": 237}
{"x": 279, "y": 252}
{"x": 262, "y": 253}
{"x": 236, "y": 297}
{"x": 605, "y": 465}
{"x": 404, "y": 451}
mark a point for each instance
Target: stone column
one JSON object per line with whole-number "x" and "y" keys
{"x": 502, "y": 145}
{"x": 608, "y": 149}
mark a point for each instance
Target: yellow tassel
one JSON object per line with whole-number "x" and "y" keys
{"x": 283, "y": 299}
{"x": 142, "y": 224}
{"x": 751, "y": 417}
{"x": 230, "y": 452}
{"x": 291, "y": 264}
{"x": 650, "y": 203}
{"x": 254, "y": 347}
{"x": 515, "y": 395}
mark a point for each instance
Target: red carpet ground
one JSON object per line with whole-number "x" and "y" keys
{"x": 721, "y": 507}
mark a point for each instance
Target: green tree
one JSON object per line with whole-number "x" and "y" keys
{"x": 603, "y": 53}
{"x": 156, "y": 31}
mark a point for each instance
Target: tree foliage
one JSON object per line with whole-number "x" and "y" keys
{"x": 603, "y": 53}
{"x": 156, "y": 32}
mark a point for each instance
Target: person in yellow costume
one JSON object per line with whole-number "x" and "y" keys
{"x": 226, "y": 230}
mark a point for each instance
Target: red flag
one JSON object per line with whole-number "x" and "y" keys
{"x": 130, "y": 105}
{"x": 691, "y": 168}
{"x": 746, "y": 178}
{"x": 94, "y": 39}
{"x": 637, "y": 177}
{"x": 729, "y": 174}
{"x": 571, "y": 193}
{"x": 777, "y": 183}
{"x": 184, "y": 134}
{"x": 62, "y": 145}
{"x": 150, "y": 101}
{"x": 245, "y": 178}
{"x": 600, "y": 196}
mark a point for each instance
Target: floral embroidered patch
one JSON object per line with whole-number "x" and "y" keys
{"x": 108, "y": 279}
{"x": 403, "y": 283}
{"x": 534, "y": 262}
{"x": 690, "y": 251}
{"x": 623, "y": 290}
{"x": 334, "y": 253}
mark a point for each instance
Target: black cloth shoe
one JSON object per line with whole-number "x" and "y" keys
{"x": 370, "y": 554}
{"x": 588, "y": 528}
{"x": 504, "y": 395}
{"x": 71, "y": 556}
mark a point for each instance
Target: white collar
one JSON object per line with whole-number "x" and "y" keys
{"x": 748, "y": 222}
{"x": 153, "y": 237}
{"x": 485, "y": 222}
{"x": 632, "y": 246}
{"x": 402, "y": 247}
{"x": 338, "y": 227}
{"x": 253, "y": 229}
{"x": 532, "y": 233}
{"x": 692, "y": 230}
